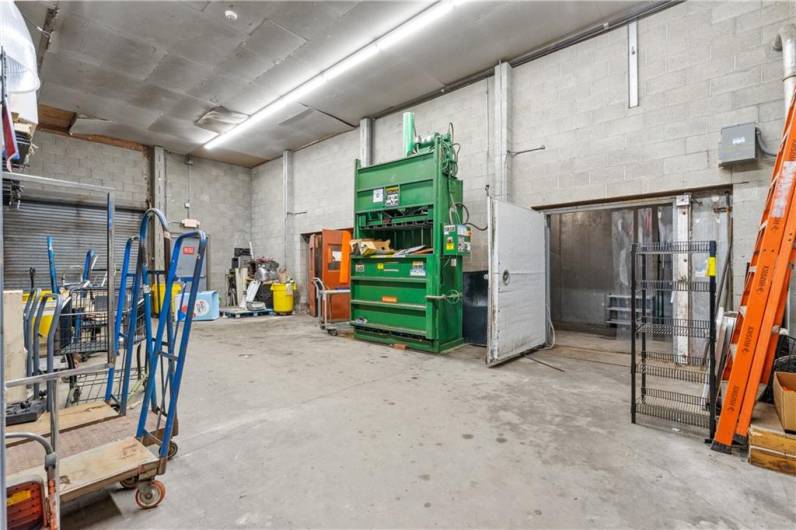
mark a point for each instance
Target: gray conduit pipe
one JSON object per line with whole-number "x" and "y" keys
{"x": 785, "y": 42}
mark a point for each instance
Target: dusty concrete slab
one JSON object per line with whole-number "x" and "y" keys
{"x": 284, "y": 426}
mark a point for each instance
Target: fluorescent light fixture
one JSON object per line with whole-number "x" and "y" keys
{"x": 351, "y": 61}
{"x": 415, "y": 24}
{"x": 253, "y": 120}
{"x": 401, "y": 32}
{"x": 310, "y": 86}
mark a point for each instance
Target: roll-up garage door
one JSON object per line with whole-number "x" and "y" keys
{"x": 75, "y": 229}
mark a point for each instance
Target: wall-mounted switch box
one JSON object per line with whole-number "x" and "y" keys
{"x": 738, "y": 144}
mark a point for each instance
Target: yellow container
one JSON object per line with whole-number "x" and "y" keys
{"x": 159, "y": 295}
{"x": 283, "y": 297}
{"x": 47, "y": 316}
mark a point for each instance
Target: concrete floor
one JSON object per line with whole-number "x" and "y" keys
{"x": 284, "y": 426}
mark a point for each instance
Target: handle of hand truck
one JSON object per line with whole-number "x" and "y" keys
{"x": 50, "y": 468}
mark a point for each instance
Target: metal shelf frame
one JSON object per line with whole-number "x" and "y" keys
{"x": 52, "y": 376}
{"x": 673, "y": 403}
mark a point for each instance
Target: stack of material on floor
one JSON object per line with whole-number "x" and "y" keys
{"x": 770, "y": 446}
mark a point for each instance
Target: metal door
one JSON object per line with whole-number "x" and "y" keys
{"x": 313, "y": 268}
{"x": 517, "y": 281}
{"x": 76, "y": 229}
{"x": 331, "y": 261}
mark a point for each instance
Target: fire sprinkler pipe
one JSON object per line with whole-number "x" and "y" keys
{"x": 785, "y": 42}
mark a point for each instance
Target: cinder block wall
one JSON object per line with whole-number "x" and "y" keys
{"x": 470, "y": 111}
{"x": 703, "y": 66}
{"x": 127, "y": 171}
{"x": 220, "y": 193}
{"x": 220, "y": 197}
{"x": 321, "y": 194}
{"x": 266, "y": 209}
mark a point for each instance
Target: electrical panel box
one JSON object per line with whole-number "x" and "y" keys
{"x": 456, "y": 240}
{"x": 738, "y": 144}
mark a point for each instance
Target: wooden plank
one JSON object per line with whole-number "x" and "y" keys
{"x": 766, "y": 432}
{"x": 97, "y": 468}
{"x": 14, "y": 343}
{"x": 68, "y": 419}
{"x": 772, "y": 460}
{"x": 53, "y": 118}
{"x": 96, "y": 138}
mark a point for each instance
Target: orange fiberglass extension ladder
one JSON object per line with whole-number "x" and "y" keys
{"x": 762, "y": 307}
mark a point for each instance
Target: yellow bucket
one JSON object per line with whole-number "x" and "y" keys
{"x": 47, "y": 316}
{"x": 283, "y": 297}
{"x": 159, "y": 295}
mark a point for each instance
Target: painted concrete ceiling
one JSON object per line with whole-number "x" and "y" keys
{"x": 147, "y": 71}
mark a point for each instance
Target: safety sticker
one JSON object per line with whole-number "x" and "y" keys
{"x": 418, "y": 269}
{"x": 392, "y": 196}
{"x": 378, "y": 195}
{"x": 380, "y": 266}
{"x": 359, "y": 267}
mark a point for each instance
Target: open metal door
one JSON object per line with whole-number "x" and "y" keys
{"x": 517, "y": 281}
{"x": 331, "y": 261}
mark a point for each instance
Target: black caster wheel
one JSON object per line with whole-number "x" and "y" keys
{"x": 173, "y": 448}
{"x": 129, "y": 483}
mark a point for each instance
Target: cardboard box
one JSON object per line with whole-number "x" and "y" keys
{"x": 785, "y": 399}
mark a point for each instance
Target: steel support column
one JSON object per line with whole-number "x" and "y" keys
{"x": 157, "y": 195}
{"x": 366, "y": 141}
{"x": 287, "y": 179}
{"x": 502, "y": 135}
{"x": 682, "y": 272}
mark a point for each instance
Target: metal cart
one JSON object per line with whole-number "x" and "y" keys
{"x": 135, "y": 461}
{"x": 323, "y": 295}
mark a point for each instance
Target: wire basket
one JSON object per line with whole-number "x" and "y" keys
{"x": 84, "y": 323}
{"x": 84, "y": 332}
{"x": 91, "y": 387}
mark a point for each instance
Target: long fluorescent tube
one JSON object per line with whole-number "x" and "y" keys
{"x": 310, "y": 86}
{"x": 413, "y": 25}
{"x": 351, "y": 61}
{"x": 399, "y": 33}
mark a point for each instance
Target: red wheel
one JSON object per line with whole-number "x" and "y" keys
{"x": 150, "y": 494}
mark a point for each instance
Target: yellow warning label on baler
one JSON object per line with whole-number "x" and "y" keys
{"x": 712, "y": 266}
{"x": 389, "y": 299}
{"x": 380, "y": 266}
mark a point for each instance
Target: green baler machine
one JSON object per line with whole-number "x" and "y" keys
{"x": 411, "y": 298}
